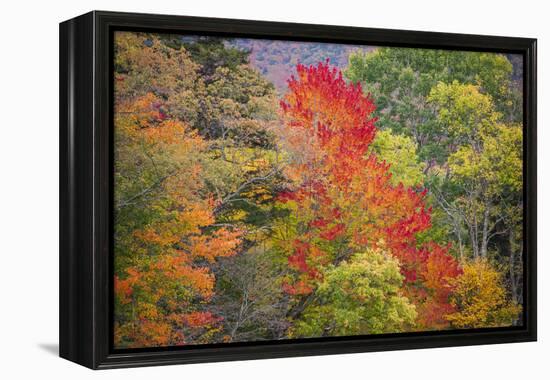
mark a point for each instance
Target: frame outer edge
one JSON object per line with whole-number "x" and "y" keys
{"x": 85, "y": 164}
{"x": 66, "y": 326}
{"x": 76, "y": 308}
{"x": 531, "y": 180}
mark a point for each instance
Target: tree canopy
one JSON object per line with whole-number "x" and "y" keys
{"x": 382, "y": 198}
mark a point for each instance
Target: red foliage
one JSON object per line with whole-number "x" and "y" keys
{"x": 319, "y": 223}
{"x": 333, "y": 232}
{"x": 298, "y": 259}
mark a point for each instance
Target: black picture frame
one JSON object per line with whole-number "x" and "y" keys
{"x": 86, "y": 163}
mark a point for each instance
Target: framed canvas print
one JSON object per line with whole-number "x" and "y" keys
{"x": 238, "y": 189}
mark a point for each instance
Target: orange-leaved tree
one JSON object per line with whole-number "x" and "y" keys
{"x": 343, "y": 200}
{"x": 166, "y": 234}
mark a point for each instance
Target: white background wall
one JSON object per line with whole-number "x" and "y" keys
{"x": 29, "y": 187}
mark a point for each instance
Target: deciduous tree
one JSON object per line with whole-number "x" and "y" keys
{"x": 343, "y": 196}
{"x": 480, "y": 298}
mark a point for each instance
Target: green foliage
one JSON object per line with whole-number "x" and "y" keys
{"x": 464, "y": 111}
{"x": 361, "y": 296}
{"x": 238, "y": 107}
{"x": 400, "y": 152}
{"x": 212, "y": 53}
{"x": 400, "y": 80}
{"x": 499, "y": 165}
{"x": 488, "y": 151}
{"x": 484, "y": 171}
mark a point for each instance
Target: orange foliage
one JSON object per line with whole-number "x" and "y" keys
{"x": 200, "y": 319}
{"x": 170, "y": 276}
{"x": 144, "y": 118}
{"x": 222, "y": 245}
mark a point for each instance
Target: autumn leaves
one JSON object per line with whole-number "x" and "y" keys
{"x": 169, "y": 277}
{"x": 348, "y": 212}
{"x": 240, "y": 219}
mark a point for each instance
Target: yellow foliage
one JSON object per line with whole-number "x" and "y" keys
{"x": 480, "y": 298}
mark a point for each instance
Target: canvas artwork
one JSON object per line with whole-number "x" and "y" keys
{"x": 277, "y": 190}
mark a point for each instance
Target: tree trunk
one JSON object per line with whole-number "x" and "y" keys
{"x": 473, "y": 239}
{"x": 459, "y": 238}
{"x": 485, "y": 232}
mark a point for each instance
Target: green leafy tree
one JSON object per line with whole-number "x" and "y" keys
{"x": 361, "y": 296}
{"x": 485, "y": 169}
{"x": 480, "y": 190}
{"x": 212, "y": 53}
{"x": 400, "y": 152}
{"x": 401, "y": 79}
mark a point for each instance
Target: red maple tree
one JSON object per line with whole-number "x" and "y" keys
{"x": 344, "y": 195}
